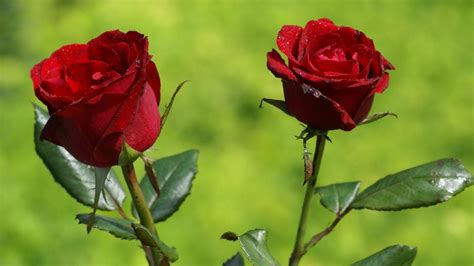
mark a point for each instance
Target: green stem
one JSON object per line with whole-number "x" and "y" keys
{"x": 298, "y": 250}
{"x": 146, "y": 219}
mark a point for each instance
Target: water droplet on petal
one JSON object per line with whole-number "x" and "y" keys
{"x": 97, "y": 76}
{"x": 311, "y": 90}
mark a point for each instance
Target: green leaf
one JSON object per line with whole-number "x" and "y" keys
{"x": 338, "y": 197}
{"x": 376, "y": 117}
{"x": 76, "y": 178}
{"x": 396, "y": 255}
{"x": 236, "y": 260}
{"x": 150, "y": 239}
{"x": 420, "y": 186}
{"x": 175, "y": 175}
{"x": 125, "y": 229}
{"x": 254, "y": 244}
{"x": 276, "y": 103}
{"x": 120, "y": 228}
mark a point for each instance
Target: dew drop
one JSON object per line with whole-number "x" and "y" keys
{"x": 97, "y": 76}
{"x": 311, "y": 90}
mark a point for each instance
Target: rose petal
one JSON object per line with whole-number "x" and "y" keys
{"x": 277, "y": 66}
{"x": 123, "y": 116}
{"x": 321, "y": 82}
{"x": 35, "y": 74}
{"x": 349, "y": 36}
{"x": 106, "y": 54}
{"x": 364, "y": 109}
{"x": 153, "y": 79}
{"x": 69, "y": 53}
{"x": 64, "y": 128}
{"x": 363, "y": 55}
{"x": 122, "y": 50}
{"x": 382, "y": 84}
{"x": 54, "y": 102}
{"x": 134, "y": 37}
{"x": 311, "y": 30}
{"x": 346, "y": 69}
{"x": 287, "y": 41}
{"x": 351, "y": 97}
{"x": 109, "y": 38}
{"x": 80, "y": 76}
{"x": 387, "y": 64}
{"x": 315, "y": 109}
{"x": 366, "y": 40}
{"x": 376, "y": 66}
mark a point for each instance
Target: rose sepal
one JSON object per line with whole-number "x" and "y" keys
{"x": 127, "y": 155}
{"x": 309, "y": 132}
{"x": 280, "y": 104}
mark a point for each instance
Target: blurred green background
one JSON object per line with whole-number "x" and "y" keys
{"x": 250, "y": 167}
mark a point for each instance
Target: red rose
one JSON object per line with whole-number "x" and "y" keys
{"x": 98, "y": 94}
{"x": 332, "y": 73}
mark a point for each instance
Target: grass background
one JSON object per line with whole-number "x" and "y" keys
{"x": 250, "y": 167}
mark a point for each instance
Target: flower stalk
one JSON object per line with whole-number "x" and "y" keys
{"x": 299, "y": 250}
{"x": 144, "y": 213}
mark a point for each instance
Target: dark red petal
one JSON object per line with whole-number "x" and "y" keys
{"x": 349, "y": 36}
{"x": 277, "y": 66}
{"x": 382, "y": 84}
{"x": 317, "y": 81}
{"x": 324, "y": 42}
{"x": 145, "y": 127}
{"x": 122, "y": 117}
{"x": 92, "y": 132}
{"x": 64, "y": 128}
{"x": 363, "y": 111}
{"x": 366, "y": 41}
{"x": 351, "y": 97}
{"x": 69, "y": 53}
{"x": 106, "y": 54}
{"x": 138, "y": 52}
{"x": 326, "y": 21}
{"x": 122, "y": 50}
{"x": 287, "y": 41}
{"x": 99, "y": 120}
{"x": 109, "y": 37}
{"x": 153, "y": 79}
{"x": 349, "y": 68}
{"x": 134, "y": 37}
{"x": 121, "y": 85}
{"x": 363, "y": 55}
{"x": 387, "y": 64}
{"x": 53, "y": 101}
{"x": 35, "y": 74}
{"x": 311, "y": 31}
{"x": 138, "y": 120}
{"x": 349, "y": 93}
{"x": 53, "y": 67}
{"x": 313, "y": 108}
{"x": 48, "y": 76}
{"x": 81, "y": 76}
{"x": 376, "y": 67}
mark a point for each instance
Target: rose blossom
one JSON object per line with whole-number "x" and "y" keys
{"x": 98, "y": 94}
{"x": 332, "y": 73}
